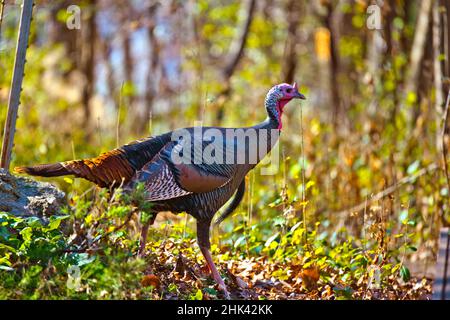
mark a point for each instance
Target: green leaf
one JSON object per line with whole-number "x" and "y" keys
{"x": 68, "y": 180}
{"x": 279, "y": 221}
{"x": 239, "y": 241}
{"x": 4, "y": 233}
{"x": 411, "y": 98}
{"x": 9, "y": 248}
{"x": 404, "y": 273}
{"x": 55, "y": 221}
{"x": 82, "y": 259}
{"x": 295, "y": 226}
{"x": 403, "y": 217}
{"x": 211, "y": 291}
{"x": 275, "y": 203}
{"x": 319, "y": 251}
{"x": 6, "y": 268}
{"x": 198, "y": 295}
{"x": 26, "y": 233}
{"x": 395, "y": 268}
{"x": 412, "y": 168}
{"x": 271, "y": 239}
{"x": 34, "y": 222}
{"x": 309, "y": 184}
{"x": 128, "y": 89}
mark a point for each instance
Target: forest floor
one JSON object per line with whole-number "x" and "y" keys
{"x": 253, "y": 278}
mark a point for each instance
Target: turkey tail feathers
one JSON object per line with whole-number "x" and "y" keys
{"x": 110, "y": 169}
{"x": 44, "y": 170}
{"x": 107, "y": 170}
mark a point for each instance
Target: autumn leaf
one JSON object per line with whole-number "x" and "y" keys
{"x": 150, "y": 280}
{"x": 310, "y": 276}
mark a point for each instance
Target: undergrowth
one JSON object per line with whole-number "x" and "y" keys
{"x": 88, "y": 251}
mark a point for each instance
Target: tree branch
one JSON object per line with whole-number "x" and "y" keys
{"x": 237, "y": 47}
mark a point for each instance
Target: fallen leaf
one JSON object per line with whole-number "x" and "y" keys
{"x": 151, "y": 280}
{"x": 310, "y": 276}
{"x": 236, "y": 280}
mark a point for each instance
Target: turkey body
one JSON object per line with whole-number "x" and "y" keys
{"x": 167, "y": 191}
{"x": 177, "y": 176}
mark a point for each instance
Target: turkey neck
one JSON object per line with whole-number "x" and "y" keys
{"x": 270, "y": 127}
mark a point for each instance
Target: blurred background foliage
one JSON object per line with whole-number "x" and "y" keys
{"x": 372, "y": 120}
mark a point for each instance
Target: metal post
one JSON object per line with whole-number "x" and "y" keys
{"x": 16, "y": 83}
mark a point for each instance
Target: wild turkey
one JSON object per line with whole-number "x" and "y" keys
{"x": 199, "y": 188}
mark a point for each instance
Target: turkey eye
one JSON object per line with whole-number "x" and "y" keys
{"x": 289, "y": 90}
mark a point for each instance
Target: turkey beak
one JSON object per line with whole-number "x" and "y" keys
{"x": 298, "y": 95}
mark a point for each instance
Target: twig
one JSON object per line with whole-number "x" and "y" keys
{"x": 389, "y": 190}
{"x": 444, "y": 149}
{"x": 118, "y": 117}
{"x": 303, "y": 176}
{"x": 103, "y": 236}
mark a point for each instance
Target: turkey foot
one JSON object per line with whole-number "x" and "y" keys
{"x": 214, "y": 271}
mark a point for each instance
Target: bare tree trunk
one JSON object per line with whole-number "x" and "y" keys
{"x": 332, "y": 22}
{"x": 389, "y": 19}
{"x": 110, "y": 82}
{"x": 418, "y": 46}
{"x": 437, "y": 63}
{"x": 446, "y": 42}
{"x": 392, "y": 47}
{"x": 58, "y": 33}
{"x": 290, "y": 57}
{"x": 150, "y": 91}
{"x": 128, "y": 60}
{"x": 424, "y": 81}
{"x": 268, "y": 15}
{"x": 89, "y": 34}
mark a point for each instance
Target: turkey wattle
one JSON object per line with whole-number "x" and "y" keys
{"x": 199, "y": 188}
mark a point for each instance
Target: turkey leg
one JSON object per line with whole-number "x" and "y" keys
{"x": 205, "y": 245}
{"x": 143, "y": 239}
{"x": 143, "y": 236}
